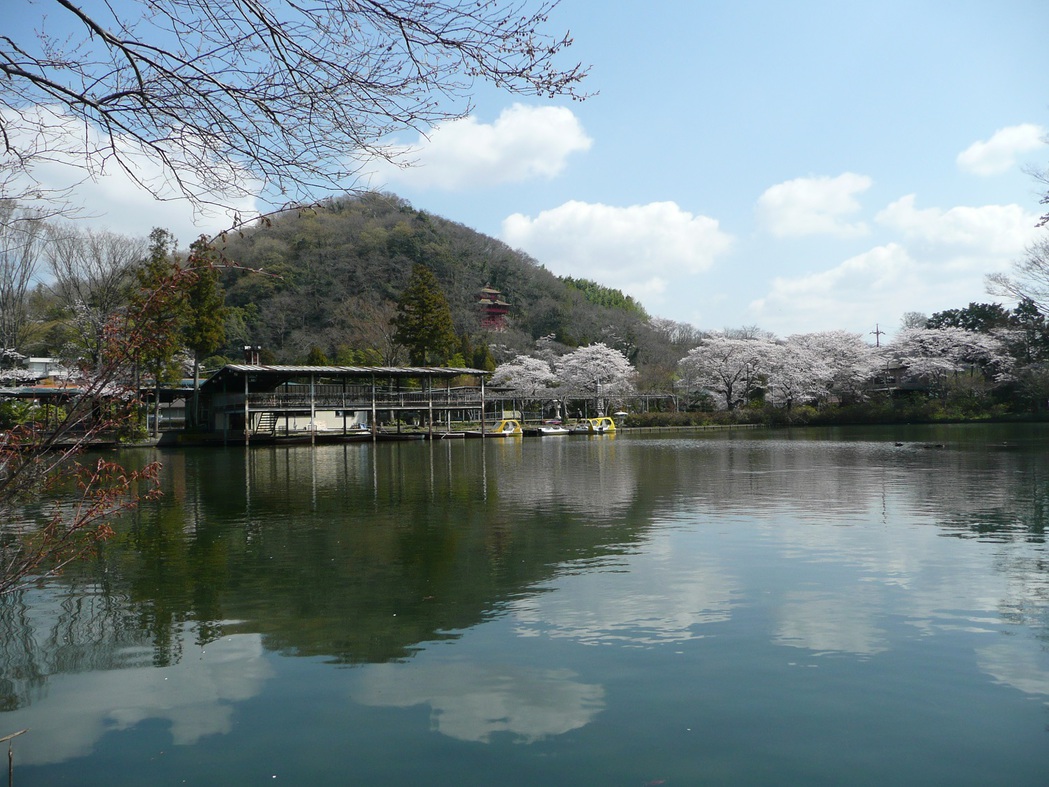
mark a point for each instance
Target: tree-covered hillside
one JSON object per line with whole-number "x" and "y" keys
{"x": 330, "y": 278}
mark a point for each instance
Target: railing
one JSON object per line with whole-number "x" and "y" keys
{"x": 359, "y": 398}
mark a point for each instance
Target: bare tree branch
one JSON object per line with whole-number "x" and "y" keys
{"x": 230, "y": 99}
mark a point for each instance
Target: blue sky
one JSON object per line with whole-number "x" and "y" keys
{"x": 796, "y": 166}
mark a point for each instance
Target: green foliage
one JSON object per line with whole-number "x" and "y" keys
{"x": 424, "y": 322}
{"x": 482, "y": 359}
{"x": 316, "y": 357}
{"x": 455, "y": 362}
{"x": 1031, "y": 342}
{"x": 155, "y": 303}
{"x": 362, "y": 249}
{"x": 981, "y": 317}
{"x": 348, "y": 356}
{"x": 239, "y": 328}
{"x": 17, "y": 412}
{"x": 205, "y": 325}
{"x": 605, "y": 296}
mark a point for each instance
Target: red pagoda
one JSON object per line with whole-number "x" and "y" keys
{"x": 493, "y": 308}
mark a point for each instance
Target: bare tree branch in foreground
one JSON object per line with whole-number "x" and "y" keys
{"x": 221, "y": 100}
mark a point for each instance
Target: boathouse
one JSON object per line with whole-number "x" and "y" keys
{"x": 253, "y": 401}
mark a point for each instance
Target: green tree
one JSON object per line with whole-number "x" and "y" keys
{"x": 1030, "y": 341}
{"x": 316, "y": 357}
{"x": 205, "y": 326}
{"x": 165, "y": 308}
{"x": 482, "y": 358}
{"x": 605, "y": 296}
{"x": 981, "y": 317}
{"x": 423, "y": 321}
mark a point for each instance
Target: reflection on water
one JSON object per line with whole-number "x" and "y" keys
{"x": 661, "y": 594}
{"x": 468, "y": 578}
{"x": 195, "y": 696}
{"x": 843, "y": 622}
{"x": 1022, "y": 667}
{"x": 472, "y": 702}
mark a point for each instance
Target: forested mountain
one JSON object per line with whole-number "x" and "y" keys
{"x": 328, "y": 279}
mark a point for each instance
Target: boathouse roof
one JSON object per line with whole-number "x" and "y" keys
{"x": 273, "y": 376}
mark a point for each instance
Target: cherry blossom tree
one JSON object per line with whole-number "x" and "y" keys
{"x": 842, "y": 363}
{"x": 528, "y": 378}
{"x": 597, "y": 371}
{"x": 942, "y": 356}
{"x": 795, "y": 372}
{"x": 726, "y": 367}
{"x": 524, "y": 376}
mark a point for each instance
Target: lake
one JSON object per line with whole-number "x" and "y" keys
{"x": 819, "y": 606}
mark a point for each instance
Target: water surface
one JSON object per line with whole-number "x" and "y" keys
{"x": 816, "y": 606}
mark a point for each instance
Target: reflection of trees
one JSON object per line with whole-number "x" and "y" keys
{"x": 987, "y": 483}
{"x": 1011, "y": 502}
{"x": 356, "y": 552}
{"x": 409, "y": 546}
{"x": 23, "y": 671}
{"x": 583, "y": 477}
{"x": 79, "y": 629}
{"x": 361, "y": 553}
{"x": 975, "y": 488}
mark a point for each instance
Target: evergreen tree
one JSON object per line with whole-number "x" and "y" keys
{"x": 205, "y": 328}
{"x": 482, "y": 358}
{"x": 158, "y": 307}
{"x": 317, "y": 357}
{"x": 423, "y": 321}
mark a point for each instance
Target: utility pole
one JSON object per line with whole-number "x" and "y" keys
{"x": 877, "y": 332}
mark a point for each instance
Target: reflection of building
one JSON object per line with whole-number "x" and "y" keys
{"x": 493, "y": 308}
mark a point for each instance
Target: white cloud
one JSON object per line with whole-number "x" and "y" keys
{"x": 880, "y": 268}
{"x": 999, "y": 153}
{"x": 636, "y": 248}
{"x": 1013, "y": 664}
{"x": 936, "y": 259}
{"x": 993, "y": 229}
{"x": 814, "y": 206}
{"x": 524, "y": 143}
{"x": 874, "y": 287}
{"x": 104, "y": 194}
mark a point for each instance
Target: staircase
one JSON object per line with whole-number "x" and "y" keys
{"x": 266, "y": 423}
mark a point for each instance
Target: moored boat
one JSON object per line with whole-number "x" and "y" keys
{"x": 602, "y": 425}
{"x": 551, "y": 428}
{"x": 508, "y": 427}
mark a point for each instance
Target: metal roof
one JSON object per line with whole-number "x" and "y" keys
{"x": 275, "y": 375}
